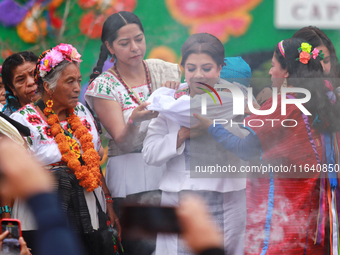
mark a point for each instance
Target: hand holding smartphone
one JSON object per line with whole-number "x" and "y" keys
{"x": 10, "y": 244}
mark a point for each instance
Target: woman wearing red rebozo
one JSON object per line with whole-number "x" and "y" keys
{"x": 288, "y": 215}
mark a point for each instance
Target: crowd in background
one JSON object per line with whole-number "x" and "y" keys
{"x": 156, "y": 134}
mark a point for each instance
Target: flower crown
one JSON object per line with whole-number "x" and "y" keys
{"x": 306, "y": 53}
{"x": 52, "y": 57}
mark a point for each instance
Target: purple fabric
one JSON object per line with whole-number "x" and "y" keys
{"x": 321, "y": 211}
{"x": 11, "y": 13}
{"x": 321, "y": 227}
{"x": 107, "y": 64}
{"x": 331, "y": 96}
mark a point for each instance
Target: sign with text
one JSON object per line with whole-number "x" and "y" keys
{"x": 295, "y": 14}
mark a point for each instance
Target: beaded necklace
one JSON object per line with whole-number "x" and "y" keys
{"x": 127, "y": 87}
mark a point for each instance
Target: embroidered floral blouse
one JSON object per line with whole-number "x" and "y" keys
{"x": 107, "y": 86}
{"x": 41, "y": 141}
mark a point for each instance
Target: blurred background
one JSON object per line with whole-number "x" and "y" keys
{"x": 247, "y": 28}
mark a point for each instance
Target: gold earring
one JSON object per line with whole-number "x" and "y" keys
{"x": 284, "y": 84}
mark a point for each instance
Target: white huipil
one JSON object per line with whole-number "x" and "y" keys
{"x": 45, "y": 149}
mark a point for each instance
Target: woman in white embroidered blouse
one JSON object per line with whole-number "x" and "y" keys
{"x": 118, "y": 97}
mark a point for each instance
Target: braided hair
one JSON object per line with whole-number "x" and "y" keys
{"x": 10, "y": 63}
{"x": 110, "y": 33}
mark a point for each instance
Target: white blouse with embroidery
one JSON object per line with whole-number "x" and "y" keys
{"x": 45, "y": 149}
{"x": 128, "y": 173}
{"x": 107, "y": 86}
{"x": 41, "y": 141}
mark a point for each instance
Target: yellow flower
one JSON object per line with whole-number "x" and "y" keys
{"x": 306, "y": 47}
{"x": 46, "y": 62}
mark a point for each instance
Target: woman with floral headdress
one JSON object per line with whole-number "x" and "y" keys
{"x": 295, "y": 210}
{"x": 64, "y": 138}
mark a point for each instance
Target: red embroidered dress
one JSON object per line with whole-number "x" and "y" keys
{"x": 282, "y": 212}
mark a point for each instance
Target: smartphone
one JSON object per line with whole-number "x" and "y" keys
{"x": 145, "y": 221}
{"x": 10, "y": 245}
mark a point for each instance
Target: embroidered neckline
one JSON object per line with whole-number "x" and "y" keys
{"x": 127, "y": 87}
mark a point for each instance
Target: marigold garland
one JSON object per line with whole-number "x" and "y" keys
{"x": 88, "y": 175}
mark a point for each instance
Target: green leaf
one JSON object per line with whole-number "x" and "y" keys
{"x": 22, "y": 112}
{"x": 29, "y": 140}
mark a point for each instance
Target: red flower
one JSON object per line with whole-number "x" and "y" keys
{"x": 34, "y": 119}
{"x": 304, "y": 57}
{"x": 48, "y": 132}
{"x": 86, "y": 124}
{"x": 49, "y": 103}
{"x": 76, "y": 150}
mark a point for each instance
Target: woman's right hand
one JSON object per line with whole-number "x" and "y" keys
{"x": 140, "y": 113}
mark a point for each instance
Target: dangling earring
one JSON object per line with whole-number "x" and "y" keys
{"x": 218, "y": 79}
{"x": 112, "y": 59}
{"x": 48, "y": 109}
{"x": 284, "y": 84}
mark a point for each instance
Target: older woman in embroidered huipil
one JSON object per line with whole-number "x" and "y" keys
{"x": 65, "y": 139}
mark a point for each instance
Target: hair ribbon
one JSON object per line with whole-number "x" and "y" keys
{"x": 282, "y": 50}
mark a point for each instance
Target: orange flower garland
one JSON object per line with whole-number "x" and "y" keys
{"x": 88, "y": 175}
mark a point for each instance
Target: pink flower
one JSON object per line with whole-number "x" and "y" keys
{"x": 69, "y": 52}
{"x": 46, "y": 63}
{"x": 315, "y": 53}
{"x": 65, "y": 49}
{"x": 56, "y": 57}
